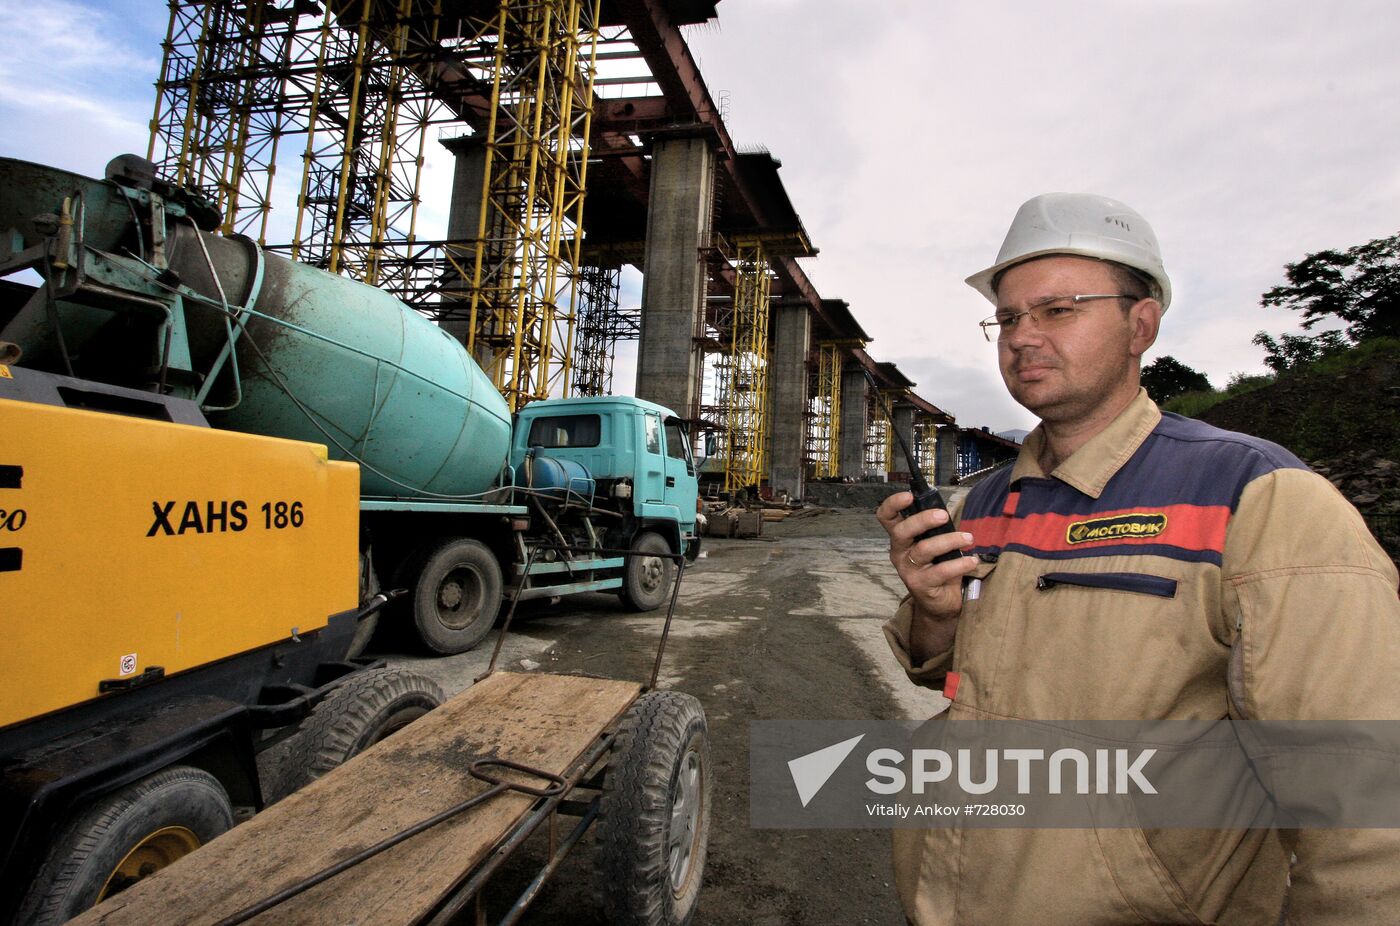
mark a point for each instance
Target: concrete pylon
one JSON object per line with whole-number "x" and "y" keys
{"x": 853, "y": 421}
{"x": 464, "y": 222}
{"x": 673, "y": 286}
{"x": 787, "y": 402}
{"x": 945, "y": 463}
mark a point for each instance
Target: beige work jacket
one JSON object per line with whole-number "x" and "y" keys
{"x": 1261, "y": 595}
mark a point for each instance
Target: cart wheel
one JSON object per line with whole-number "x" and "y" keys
{"x": 654, "y": 822}
{"x": 647, "y": 581}
{"x": 123, "y": 837}
{"x": 457, "y": 596}
{"x": 370, "y": 706}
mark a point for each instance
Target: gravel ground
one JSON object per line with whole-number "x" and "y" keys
{"x": 783, "y": 627}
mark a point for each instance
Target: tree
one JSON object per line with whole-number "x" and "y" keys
{"x": 1297, "y": 350}
{"x": 1166, "y": 377}
{"x": 1360, "y": 286}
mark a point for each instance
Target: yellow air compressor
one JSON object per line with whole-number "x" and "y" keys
{"x": 170, "y": 596}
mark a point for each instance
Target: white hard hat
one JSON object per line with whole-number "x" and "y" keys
{"x": 1079, "y": 224}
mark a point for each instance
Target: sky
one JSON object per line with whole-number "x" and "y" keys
{"x": 1249, "y": 134}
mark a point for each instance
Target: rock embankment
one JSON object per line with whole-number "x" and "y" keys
{"x": 1368, "y": 480}
{"x": 1371, "y": 482}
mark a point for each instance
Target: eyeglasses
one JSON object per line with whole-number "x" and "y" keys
{"x": 1048, "y": 314}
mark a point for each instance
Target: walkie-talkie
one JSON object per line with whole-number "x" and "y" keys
{"x": 925, "y": 495}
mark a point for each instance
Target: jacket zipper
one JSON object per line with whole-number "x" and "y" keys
{"x": 1118, "y": 581}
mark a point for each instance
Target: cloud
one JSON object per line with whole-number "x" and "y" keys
{"x": 1249, "y": 133}
{"x": 76, "y": 82}
{"x": 58, "y": 43}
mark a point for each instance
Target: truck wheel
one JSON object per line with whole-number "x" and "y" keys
{"x": 123, "y": 837}
{"x": 654, "y": 821}
{"x": 647, "y": 580}
{"x": 457, "y": 596}
{"x": 370, "y": 706}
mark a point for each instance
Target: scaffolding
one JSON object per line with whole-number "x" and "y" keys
{"x": 369, "y": 111}
{"x": 365, "y": 81}
{"x": 221, "y": 104}
{"x": 742, "y": 371}
{"x": 824, "y": 434}
{"x": 926, "y": 448}
{"x": 356, "y": 79}
{"x": 601, "y": 325}
{"x": 524, "y": 260}
{"x": 878, "y": 434}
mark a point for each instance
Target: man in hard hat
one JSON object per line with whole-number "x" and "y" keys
{"x": 1225, "y": 579}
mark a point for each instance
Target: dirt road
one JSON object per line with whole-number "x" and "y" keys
{"x": 784, "y": 627}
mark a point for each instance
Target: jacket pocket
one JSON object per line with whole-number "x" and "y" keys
{"x": 1115, "y": 581}
{"x": 1141, "y": 878}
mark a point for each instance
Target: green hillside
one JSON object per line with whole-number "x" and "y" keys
{"x": 1341, "y": 414}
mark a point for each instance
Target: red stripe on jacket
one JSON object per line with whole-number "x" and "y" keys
{"x": 1190, "y": 527}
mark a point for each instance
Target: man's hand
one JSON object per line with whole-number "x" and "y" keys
{"x": 936, "y": 589}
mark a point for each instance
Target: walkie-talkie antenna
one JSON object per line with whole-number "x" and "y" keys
{"x": 925, "y": 496}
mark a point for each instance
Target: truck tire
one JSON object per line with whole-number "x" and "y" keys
{"x": 654, "y": 820}
{"x": 457, "y": 596}
{"x": 646, "y": 581}
{"x": 124, "y": 836}
{"x": 370, "y": 706}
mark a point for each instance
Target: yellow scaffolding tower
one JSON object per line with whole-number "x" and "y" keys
{"x": 926, "y": 447}
{"x": 743, "y": 371}
{"x": 524, "y": 262}
{"x": 825, "y": 409}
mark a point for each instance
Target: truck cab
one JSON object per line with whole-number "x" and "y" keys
{"x": 636, "y": 451}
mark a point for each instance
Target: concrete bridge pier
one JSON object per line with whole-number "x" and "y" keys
{"x": 945, "y": 462}
{"x": 853, "y": 421}
{"x": 787, "y": 396}
{"x": 673, "y": 286}
{"x": 463, "y": 224}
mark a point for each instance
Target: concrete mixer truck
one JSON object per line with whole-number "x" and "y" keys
{"x": 212, "y": 460}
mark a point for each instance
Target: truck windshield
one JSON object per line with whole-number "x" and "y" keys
{"x": 566, "y": 431}
{"x": 677, "y": 442}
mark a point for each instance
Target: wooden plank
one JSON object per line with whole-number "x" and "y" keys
{"x": 542, "y": 720}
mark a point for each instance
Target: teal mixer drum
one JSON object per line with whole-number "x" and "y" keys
{"x": 345, "y": 364}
